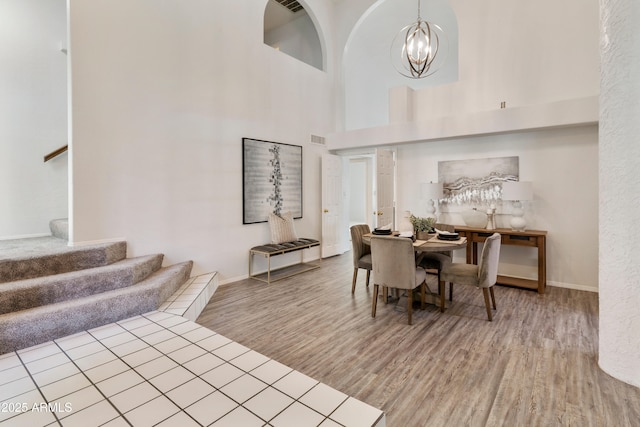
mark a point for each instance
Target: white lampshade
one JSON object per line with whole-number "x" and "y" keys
{"x": 431, "y": 190}
{"x": 517, "y": 190}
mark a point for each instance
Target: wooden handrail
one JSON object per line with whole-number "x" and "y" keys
{"x": 55, "y": 153}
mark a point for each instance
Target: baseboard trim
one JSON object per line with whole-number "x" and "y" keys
{"x": 233, "y": 279}
{"x": 97, "y": 242}
{"x": 572, "y": 286}
{"x": 26, "y": 236}
{"x": 560, "y": 284}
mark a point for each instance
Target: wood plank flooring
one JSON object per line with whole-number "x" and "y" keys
{"x": 534, "y": 365}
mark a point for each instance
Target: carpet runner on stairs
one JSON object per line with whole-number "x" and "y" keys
{"x": 29, "y": 293}
{"x": 42, "y": 256}
{"x": 49, "y": 290}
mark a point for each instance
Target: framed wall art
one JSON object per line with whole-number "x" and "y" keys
{"x": 475, "y": 182}
{"x": 271, "y": 180}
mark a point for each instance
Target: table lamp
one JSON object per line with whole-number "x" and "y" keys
{"x": 431, "y": 191}
{"x": 516, "y": 191}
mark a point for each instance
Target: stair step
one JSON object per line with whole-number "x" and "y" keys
{"x": 49, "y": 290}
{"x": 43, "y": 256}
{"x": 29, "y": 293}
{"x": 37, "y": 325}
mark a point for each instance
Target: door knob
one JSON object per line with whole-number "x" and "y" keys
{"x": 326, "y": 211}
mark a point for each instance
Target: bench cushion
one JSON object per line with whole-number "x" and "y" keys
{"x": 272, "y": 248}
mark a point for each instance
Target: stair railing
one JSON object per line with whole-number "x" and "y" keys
{"x": 55, "y": 153}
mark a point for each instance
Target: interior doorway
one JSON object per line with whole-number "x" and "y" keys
{"x": 360, "y": 185}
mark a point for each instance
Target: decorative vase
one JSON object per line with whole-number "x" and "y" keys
{"x": 474, "y": 218}
{"x": 424, "y": 235}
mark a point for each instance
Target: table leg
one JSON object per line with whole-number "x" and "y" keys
{"x": 542, "y": 266}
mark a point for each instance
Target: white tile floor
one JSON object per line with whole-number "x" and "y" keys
{"x": 192, "y": 297}
{"x": 163, "y": 369}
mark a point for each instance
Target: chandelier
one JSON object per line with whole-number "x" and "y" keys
{"x": 417, "y": 51}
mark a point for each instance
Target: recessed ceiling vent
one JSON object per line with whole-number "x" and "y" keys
{"x": 315, "y": 139}
{"x": 292, "y": 5}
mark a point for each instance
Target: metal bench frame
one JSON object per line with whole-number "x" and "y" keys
{"x": 271, "y": 250}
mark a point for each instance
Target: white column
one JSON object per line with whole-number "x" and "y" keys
{"x": 619, "y": 156}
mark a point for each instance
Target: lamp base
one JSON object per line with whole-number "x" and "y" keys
{"x": 518, "y": 222}
{"x": 431, "y": 209}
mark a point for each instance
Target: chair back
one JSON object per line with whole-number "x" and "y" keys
{"x": 394, "y": 262}
{"x": 359, "y": 248}
{"x": 488, "y": 271}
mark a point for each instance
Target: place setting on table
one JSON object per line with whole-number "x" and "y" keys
{"x": 439, "y": 240}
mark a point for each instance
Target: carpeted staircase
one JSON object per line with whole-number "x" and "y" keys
{"x": 49, "y": 290}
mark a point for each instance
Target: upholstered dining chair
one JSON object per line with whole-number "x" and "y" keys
{"x": 361, "y": 253}
{"x": 483, "y": 275}
{"x": 394, "y": 266}
{"x": 437, "y": 260}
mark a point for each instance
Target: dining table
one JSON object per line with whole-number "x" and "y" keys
{"x": 422, "y": 247}
{"x": 433, "y": 244}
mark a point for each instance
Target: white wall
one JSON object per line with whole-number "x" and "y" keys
{"x": 522, "y": 53}
{"x": 33, "y": 115}
{"x": 162, "y": 96}
{"x": 367, "y": 66}
{"x": 563, "y": 166}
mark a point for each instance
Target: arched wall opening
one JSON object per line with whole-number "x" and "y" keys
{"x": 290, "y": 27}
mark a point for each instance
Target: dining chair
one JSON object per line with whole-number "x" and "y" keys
{"x": 483, "y": 275}
{"x": 394, "y": 266}
{"x": 437, "y": 260}
{"x": 361, "y": 253}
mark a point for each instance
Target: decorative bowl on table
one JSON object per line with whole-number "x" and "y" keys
{"x": 448, "y": 236}
{"x": 474, "y": 218}
{"x": 382, "y": 231}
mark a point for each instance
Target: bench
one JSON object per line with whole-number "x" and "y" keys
{"x": 271, "y": 249}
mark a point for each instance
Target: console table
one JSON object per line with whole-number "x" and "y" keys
{"x": 529, "y": 238}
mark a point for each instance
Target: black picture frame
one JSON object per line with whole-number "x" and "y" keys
{"x": 271, "y": 179}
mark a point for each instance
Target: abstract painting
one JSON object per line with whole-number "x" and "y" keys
{"x": 272, "y": 180}
{"x": 476, "y": 182}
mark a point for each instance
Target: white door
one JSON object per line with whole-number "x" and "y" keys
{"x": 385, "y": 184}
{"x": 332, "y": 209}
